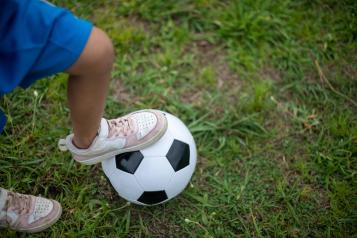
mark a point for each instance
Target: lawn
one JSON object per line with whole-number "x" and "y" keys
{"x": 269, "y": 91}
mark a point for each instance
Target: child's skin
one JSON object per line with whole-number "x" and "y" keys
{"x": 88, "y": 85}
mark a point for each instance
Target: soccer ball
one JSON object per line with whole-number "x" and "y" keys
{"x": 157, "y": 173}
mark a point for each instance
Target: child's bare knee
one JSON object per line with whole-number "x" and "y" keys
{"x": 97, "y": 56}
{"x": 103, "y": 53}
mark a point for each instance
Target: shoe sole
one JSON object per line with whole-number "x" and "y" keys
{"x": 100, "y": 158}
{"x": 41, "y": 228}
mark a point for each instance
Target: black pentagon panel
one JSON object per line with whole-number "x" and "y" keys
{"x": 129, "y": 161}
{"x": 153, "y": 197}
{"x": 179, "y": 155}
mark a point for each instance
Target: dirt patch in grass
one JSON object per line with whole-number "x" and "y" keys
{"x": 224, "y": 80}
{"x": 192, "y": 97}
{"x": 136, "y": 22}
{"x": 343, "y": 68}
{"x": 269, "y": 72}
{"x": 211, "y": 55}
{"x": 121, "y": 93}
{"x": 351, "y": 71}
{"x": 346, "y": 67}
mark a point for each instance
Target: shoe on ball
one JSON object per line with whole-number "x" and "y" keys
{"x": 26, "y": 213}
{"x": 132, "y": 132}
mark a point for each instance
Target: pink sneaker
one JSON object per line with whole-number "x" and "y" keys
{"x": 128, "y": 133}
{"x": 27, "y": 213}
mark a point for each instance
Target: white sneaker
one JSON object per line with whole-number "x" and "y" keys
{"x": 132, "y": 132}
{"x": 27, "y": 213}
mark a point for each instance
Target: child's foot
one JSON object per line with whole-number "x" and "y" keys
{"x": 128, "y": 133}
{"x": 27, "y": 213}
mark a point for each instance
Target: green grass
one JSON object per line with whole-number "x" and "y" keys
{"x": 268, "y": 89}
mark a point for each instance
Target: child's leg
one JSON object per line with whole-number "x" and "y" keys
{"x": 95, "y": 139}
{"x": 88, "y": 86}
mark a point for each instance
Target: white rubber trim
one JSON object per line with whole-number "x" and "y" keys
{"x": 41, "y": 228}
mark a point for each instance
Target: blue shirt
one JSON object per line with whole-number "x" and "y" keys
{"x": 37, "y": 39}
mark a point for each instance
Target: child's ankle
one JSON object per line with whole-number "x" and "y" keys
{"x": 82, "y": 143}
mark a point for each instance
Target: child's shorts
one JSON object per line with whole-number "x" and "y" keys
{"x": 37, "y": 39}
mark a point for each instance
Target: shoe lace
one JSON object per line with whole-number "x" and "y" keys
{"x": 19, "y": 202}
{"x": 120, "y": 127}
